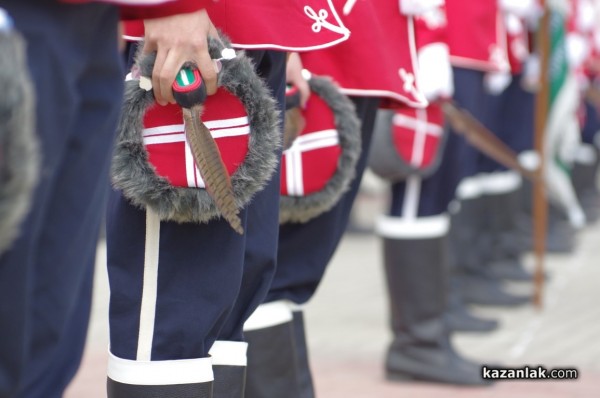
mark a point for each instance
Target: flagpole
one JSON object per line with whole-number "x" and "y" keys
{"x": 540, "y": 205}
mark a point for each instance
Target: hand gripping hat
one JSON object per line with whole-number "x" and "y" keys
{"x": 320, "y": 163}
{"x": 19, "y": 160}
{"x": 153, "y": 164}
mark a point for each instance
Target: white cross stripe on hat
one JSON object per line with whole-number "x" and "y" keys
{"x": 293, "y": 157}
{"x": 422, "y": 129}
{"x": 173, "y": 133}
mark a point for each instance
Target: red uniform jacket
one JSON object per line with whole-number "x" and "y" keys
{"x": 292, "y": 25}
{"x": 518, "y": 43}
{"x": 476, "y": 35}
{"x": 379, "y": 59}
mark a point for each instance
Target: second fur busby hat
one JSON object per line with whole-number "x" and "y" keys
{"x": 19, "y": 156}
{"x": 320, "y": 163}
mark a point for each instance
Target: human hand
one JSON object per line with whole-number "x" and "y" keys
{"x": 435, "y": 78}
{"x": 496, "y": 82}
{"x": 294, "y": 76}
{"x": 178, "y": 39}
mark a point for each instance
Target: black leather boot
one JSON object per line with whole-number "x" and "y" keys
{"x": 561, "y": 237}
{"x": 469, "y": 246}
{"x": 482, "y": 289}
{"x": 459, "y": 319}
{"x": 504, "y": 256}
{"x": 229, "y": 368}
{"x": 272, "y": 363}
{"x": 421, "y": 349}
{"x": 305, "y": 382}
{"x": 191, "y": 378}
{"x": 584, "y": 175}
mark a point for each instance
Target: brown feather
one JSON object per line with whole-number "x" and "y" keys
{"x": 294, "y": 124}
{"x": 208, "y": 158}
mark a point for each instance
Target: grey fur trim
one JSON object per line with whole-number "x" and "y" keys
{"x": 19, "y": 149}
{"x": 300, "y": 209}
{"x": 384, "y": 159}
{"x": 136, "y": 177}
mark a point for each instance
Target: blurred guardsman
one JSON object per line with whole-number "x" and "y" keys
{"x": 46, "y": 276}
{"x": 383, "y": 43}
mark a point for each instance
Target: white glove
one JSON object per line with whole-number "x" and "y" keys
{"x": 496, "y": 82}
{"x": 562, "y": 7}
{"x": 586, "y": 16}
{"x": 530, "y": 79}
{"x": 435, "y": 73}
{"x": 578, "y": 49}
{"x": 5, "y": 21}
{"x": 520, "y": 8}
{"x": 418, "y": 7}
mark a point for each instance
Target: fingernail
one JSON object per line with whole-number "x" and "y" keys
{"x": 218, "y": 65}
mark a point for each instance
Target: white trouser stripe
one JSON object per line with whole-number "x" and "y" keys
{"x": 229, "y": 353}
{"x": 148, "y": 306}
{"x": 268, "y": 315}
{"x": 160, "y": 373}
{"x": 410, "y": 207}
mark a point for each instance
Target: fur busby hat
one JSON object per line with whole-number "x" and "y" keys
{"x": 152, "y": 165}
{"x": 407, "y": 142}
{"x": 320, "y": 163}
{"x": 19, "y": 157}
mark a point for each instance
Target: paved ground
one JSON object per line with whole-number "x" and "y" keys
{"x": 348, "y": 334}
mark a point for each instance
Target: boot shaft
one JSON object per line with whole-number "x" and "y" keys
{"x": 416, "y": 275}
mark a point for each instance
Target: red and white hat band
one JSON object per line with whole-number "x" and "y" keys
{"x": 422, "y": 130}
{"x": 293, "y": 157}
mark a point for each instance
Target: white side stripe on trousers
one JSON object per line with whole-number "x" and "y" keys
{"x": 149, "y": 287}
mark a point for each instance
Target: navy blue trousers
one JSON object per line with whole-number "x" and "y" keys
{"x": 210, "y": 279}
{"x": 431, "y": 202}
{"x": 460, "y": 159}
{"x": 509, "y": 115}
{"x": 591, "y": 125}
{"x": 306, "y": 249}
{"x": 46, "y": 278}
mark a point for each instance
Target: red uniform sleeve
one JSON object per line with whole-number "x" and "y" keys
{"x": 162, "y": 10}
